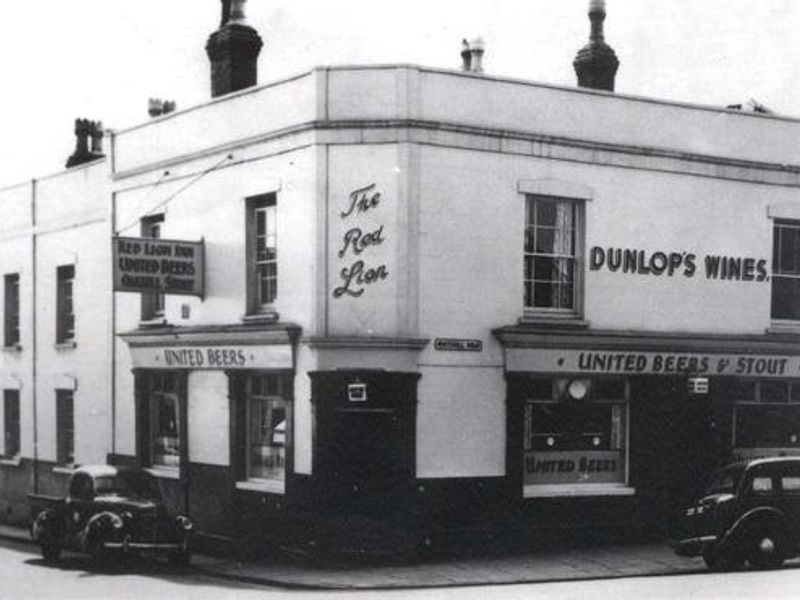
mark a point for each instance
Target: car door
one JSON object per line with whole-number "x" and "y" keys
{"x": 789, "y": 500}
{"x": 78, "y": 507}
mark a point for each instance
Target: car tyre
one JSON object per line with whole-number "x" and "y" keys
{"x": 720, "y": 560}
{"x": 766, "y": 549}
{"x": 50, "y": 552}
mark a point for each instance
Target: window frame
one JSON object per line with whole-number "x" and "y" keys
{"x": 240, "y": 387}
{"x": 556, "y": 396}
{"x": 776, "y": 276}
{"x": 11, "y": 404}
{"x": 578, "y": 209}
{"x": 65, "y": 427}
{"x": 152, "y": 304}
{"x": 256, "y": 306}
{"x": 153, "y": 418}
{"x": 755, "y": 398}
{"x": 11, "y": 310}
{"x": 65, "y": 304}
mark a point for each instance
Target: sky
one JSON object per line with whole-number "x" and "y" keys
{"x": 103, "y": 59}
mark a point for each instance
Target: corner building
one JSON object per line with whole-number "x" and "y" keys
{"x": 440, "y": 304}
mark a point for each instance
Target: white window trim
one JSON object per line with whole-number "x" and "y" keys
{"x": 577, "y": 489}
{"x": 262, "y": 485}
{"x": 13, "y": 461}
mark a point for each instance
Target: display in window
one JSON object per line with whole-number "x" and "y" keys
{"x": 574, "y": 438}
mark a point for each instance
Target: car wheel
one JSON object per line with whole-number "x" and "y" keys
{"x": 766, "y": 550}
{"x": 720, "y": 559}
{"x": 50, "y": 551}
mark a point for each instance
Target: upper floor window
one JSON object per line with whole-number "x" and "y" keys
{"x": 65, "y": 427}
{"x": 11, "y": 423}
{"x": 11, "y": 310}
{"x": 262, "y": 254}
{"x": 153, "y": 303}
{"x": 786, "y": 270}
{"x": 65, "y": 310}
{"x": 551, "y": 270}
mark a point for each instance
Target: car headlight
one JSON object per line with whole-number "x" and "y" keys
{"x": 116, "y": 521}
{"x": 184, "y": 523}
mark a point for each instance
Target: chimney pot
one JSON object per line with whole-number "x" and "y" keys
{"x": 233, "y": 51}
{"x": 596, "y": 63}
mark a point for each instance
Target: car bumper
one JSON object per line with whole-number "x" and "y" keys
{"x": 136, "y": 547}
{"x": 694, "y": 546}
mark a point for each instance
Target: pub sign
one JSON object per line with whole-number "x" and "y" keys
{"x": 154, "y": 265}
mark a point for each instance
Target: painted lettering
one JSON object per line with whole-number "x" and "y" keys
{"x": 362, "y": 200}
{"x": 357, "y": 240}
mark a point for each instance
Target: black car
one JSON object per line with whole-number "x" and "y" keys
{"x": 750, "y": 513}
{"x": 112, "y": 510}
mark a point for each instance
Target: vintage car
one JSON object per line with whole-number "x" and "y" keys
{"x": 110, "y": 510}
{"x": 750, "y": 513}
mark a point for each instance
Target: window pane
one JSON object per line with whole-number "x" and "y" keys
{"x": 546, "y": 212}
{"x": 765, "y": 426}
{"x": 788, "y": 251}
{"x": 785, "y": 298}
{"x": 11, "y": 422}
{"x": 774, "y": 392}
{"x": 65, "y": 422}
{"x": 267, "y": 428}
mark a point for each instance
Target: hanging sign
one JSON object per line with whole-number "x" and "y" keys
{"x": 150, "y": 265}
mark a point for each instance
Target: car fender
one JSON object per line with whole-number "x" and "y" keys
{"x": 47, "y": 524}
{"x": 756, "y": 517}
{"x": 100, "y": 527}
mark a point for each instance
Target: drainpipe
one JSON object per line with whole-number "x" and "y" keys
{"x": 34, "y": 357}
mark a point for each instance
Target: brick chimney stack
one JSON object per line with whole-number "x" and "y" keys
{"x": 596, "y": 63}
{"x": 86, "y": 131}
{"x": 233, "y": 51}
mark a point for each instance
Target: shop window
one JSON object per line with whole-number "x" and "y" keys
{"x": 11, "y": 310}
{"x": 164, "y": 422}
{"x": 65, "y": 427}
{"x": 152, "y": 304}
{"x": 552, "y": 274}
{"x": 11, "y": 423}
{"x": 786, "y": 270}
{"x": 768, "y": 421}
{"x": 262, "y": 254}
{"x": 266, "y": 418}
{"x": 65, "y": 310}
{"x": 578, "y": 435}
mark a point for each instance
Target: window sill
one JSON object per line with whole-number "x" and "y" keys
{"x": 553, "y": 320}
{"x": 154, "y": 322}
{"x": 13, "y": 461}
{"x": 66, "y": 345}
{"x": 15, "y": 349}
{"x": 164, "y": 472}
{"x": 577, "y": 490}
{"x": 261, "y": 485}
{"x": 778, "y": 327}
{"x": 65, "y": 469}
{"x": 268, "y": 316}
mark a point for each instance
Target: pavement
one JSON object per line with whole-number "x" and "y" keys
{"x": 601, "y": 562}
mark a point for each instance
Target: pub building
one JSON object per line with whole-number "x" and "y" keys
{"x": 457, "y": 309}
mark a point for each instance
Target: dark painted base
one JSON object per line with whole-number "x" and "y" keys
{"x": 21, "y": 483}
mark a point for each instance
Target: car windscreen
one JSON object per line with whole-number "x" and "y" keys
{"x": 134, "y": 485}
{"x": 726, "y": 481}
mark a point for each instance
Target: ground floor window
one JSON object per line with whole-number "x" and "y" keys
{"x": 575, "y": 432}
{"x": 766, "y": 417}
{"x": 165, "y": 421}
{"x": 267, "y": 413}
{"x": 65, "y": 427}
{"x": 11, "y": 423}
{"x": 261, "y": 418}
